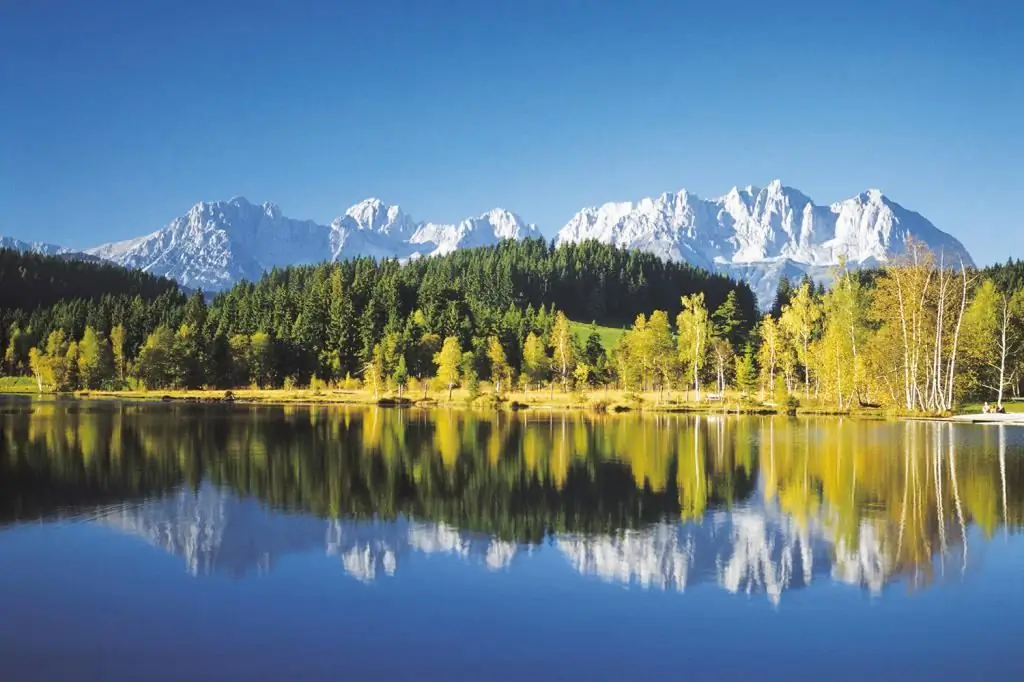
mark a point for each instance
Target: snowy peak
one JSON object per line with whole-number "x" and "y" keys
{"x": 40, "y": 248}
{"x": 375, "y": 216}
{"x": 489, "y": 228}
{"x": 757, "y": 234}
{"x": 43, "y": 249}
{"x": 216, "y": 244}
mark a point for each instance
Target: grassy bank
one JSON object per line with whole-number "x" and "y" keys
{"x": 1011, "y": 407}
{"x": 18, "y": 385}
{"x": 597, "y": 400}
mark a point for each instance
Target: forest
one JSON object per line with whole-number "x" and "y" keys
{"x": 916, "y": 335}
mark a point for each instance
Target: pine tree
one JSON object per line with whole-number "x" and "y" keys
{"x": 783, "y": 296}
{"x": 401, "y": 375}
{"x": 728, "y": 322}
{"x": 746, "y": 372}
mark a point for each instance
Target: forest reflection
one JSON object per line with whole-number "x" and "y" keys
{"x": 754, "y": 503}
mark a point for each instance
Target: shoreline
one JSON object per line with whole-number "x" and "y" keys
{"x": 598, "y": 402}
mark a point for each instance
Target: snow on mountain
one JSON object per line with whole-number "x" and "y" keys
{"x": 31, "y": 247}
{"x": 754, "y": 234}
{"x": 483, "y": 231}
{"x": 43, "y": 249}
{"x": 759, "y": 234}
{"x": 217, "y": 244}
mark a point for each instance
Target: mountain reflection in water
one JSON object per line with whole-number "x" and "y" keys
{"x": 753, "y": 505}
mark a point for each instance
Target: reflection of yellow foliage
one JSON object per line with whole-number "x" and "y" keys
{"x": 691, "y": 474}
{"x": 373, "y": 429}
{"x": 532, "y": 446}
{"x": 559, "y": 457}
{"x": 447, "y": 440}
{"x": 495, "y": 443}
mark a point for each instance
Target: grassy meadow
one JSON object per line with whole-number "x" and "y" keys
{"x": 609, "y": 335}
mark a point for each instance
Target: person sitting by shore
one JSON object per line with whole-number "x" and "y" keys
{"x": 985, "y": 409}
{"x": 1000, "y": 409}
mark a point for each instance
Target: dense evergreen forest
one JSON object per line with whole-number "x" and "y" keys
{"x": 336, "y": 320}
{"x": 29, "y": 281}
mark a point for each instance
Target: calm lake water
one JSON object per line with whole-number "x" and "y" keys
{"x": 186, "y": 542}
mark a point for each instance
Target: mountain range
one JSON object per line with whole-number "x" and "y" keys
{"x": 754, "y": 234}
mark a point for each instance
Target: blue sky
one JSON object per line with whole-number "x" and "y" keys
{"x": 116, "y": 117}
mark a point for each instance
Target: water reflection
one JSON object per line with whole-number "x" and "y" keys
{"x": 753, "y": 505}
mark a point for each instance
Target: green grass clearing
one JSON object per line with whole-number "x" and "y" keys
{"x": 18, "y": 385}
{"x": 1013, "y": 407}
{"x": 609, "y": 335}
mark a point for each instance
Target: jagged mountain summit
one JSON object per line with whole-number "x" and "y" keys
{"x": 217, "y": 244}
{"x": 760, "y": 234}
{"x": 753, "y": 234}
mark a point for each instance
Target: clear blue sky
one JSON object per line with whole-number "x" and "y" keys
{"x": 117, "y": 116}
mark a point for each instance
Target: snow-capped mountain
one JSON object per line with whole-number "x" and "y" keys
{"x": 754, "y": 234}
{"x": 43, "y": 249}
{"x": 759, "y": 234}
{"x": 216, "y": 244}
{"x": 31, "y": 247}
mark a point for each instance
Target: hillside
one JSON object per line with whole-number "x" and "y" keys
{"x": 30, "y": 280}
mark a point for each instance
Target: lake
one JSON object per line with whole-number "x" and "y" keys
{"x": 213, "y": 542}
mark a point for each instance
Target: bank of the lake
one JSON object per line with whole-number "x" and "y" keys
{"x": 597, "y": 400}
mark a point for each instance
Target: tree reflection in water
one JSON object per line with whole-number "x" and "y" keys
{"x": 753, "y": 504}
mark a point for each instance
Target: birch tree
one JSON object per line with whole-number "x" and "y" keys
{"x": 694, "y": 327}
{"x": 562, "y": 348}
{"x": 800, "y": 319}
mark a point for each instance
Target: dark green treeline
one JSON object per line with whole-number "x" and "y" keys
{"x": 324, "y": 321}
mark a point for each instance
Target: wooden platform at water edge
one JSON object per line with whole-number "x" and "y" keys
{"x": 1008, "y": 419}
